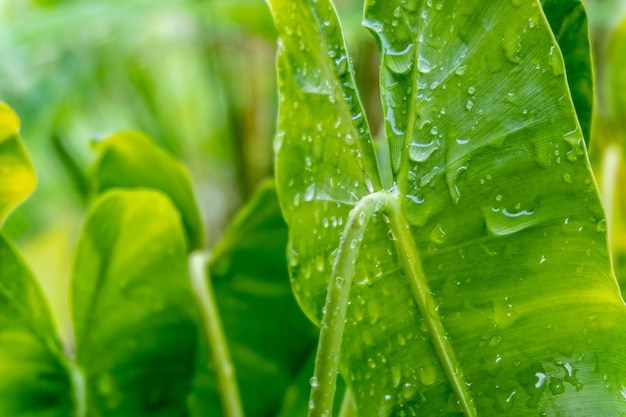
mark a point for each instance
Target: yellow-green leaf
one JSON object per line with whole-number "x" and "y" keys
{"x": 133, "y": 310}
{"x": 132, "y": 160}
{"x": 17, "y": 176}
{"x": 34, "y": 374}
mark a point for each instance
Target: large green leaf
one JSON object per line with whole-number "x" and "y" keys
{"x": 34, "y": 374}
{"x": 17, "y": 179}
{"x": 568, "y": 21}
{"x": 133, "y": 310}
{"x": 132, "y": 160}
{"x": 482, "y": 282}
{"x": 268, "y": 336}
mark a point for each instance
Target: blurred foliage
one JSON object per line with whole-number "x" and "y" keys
{"x": 608, "y": 145}
{"x": 198, "y": 76}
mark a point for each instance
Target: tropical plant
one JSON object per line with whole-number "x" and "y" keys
{"x": 455, "y": 265}
{"x": 479, "y": 281}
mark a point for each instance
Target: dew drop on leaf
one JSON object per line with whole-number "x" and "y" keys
{"x": 400, "y": 62}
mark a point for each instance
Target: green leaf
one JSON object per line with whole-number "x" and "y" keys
{"x": 568, "y": 21}
{"x": 481, "y": 284}
{"x": 34, "y": 376}
{"x": 132, "y": 160}
{"x": 269, "y": 337}
{"x": 18, "y": 179}
{"x": 133, "y": 310}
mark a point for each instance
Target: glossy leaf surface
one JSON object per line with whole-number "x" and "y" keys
{"x": 133, "y": 310}
{"x": 132, "y": 160}
{"x": 507, "y": 233}
{"x": 17, "y": 177}
{"x": 34, "y": 376}
{"x": 568, "y": 21}
{"x": 269, "y": 337}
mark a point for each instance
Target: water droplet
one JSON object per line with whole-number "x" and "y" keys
{"x": 504, "y": 314}
{"x": 541, "y": 378}
{"x": 342, "y": 65}
{"x": 501, "y": 221}
{"x": 420, "y": 152}
{"x": 423, "y": 65}
{"x": 339, "y": 281}
{"x": 556, "y": 386}
{"x": 574, "y": 139}
{"x": 510, "y": 44}
{"x": 438, "y": 235}
{"x": 400, "y": 62}
{"x": 567, "y": 178}
{"x": 309, "y": 193}
{"x": 427, "y": 374}
{"x": 469, "y": 105}
{"x": 313, "y": 382}
{"x": 427, "y": 178}
{"x": 319, "y": 263}
{"x": 460, "y": 70}
{"x": 555, "y": 62}
{"x": 471, "y": 90}
{"x": 504, "y": 401}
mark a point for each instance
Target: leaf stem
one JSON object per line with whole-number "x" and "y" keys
{"x": 410, "y": 259}
{"x": 323, "y": 383}
{"x": 324, "y": 380}
{"x": 79, "y": 391}
{"x": 214, "y": 332}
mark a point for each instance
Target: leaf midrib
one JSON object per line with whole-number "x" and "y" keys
{"x": 409, "y": 257}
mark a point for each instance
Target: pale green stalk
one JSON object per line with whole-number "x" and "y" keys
{"x": 79, "y": 390}
{"x": 224, "y": 369}
{"x": 323, "y": 383}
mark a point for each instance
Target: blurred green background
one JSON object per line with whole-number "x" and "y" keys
{"x": 198, "y": 76}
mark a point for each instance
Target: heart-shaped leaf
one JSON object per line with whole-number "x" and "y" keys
{"x": 133, "y": 309}
{"x": 132, "y": 160}
{"x": 481, "y": 283}
{"x": 17, "y": 180}
{"x": 35, "y": 376}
